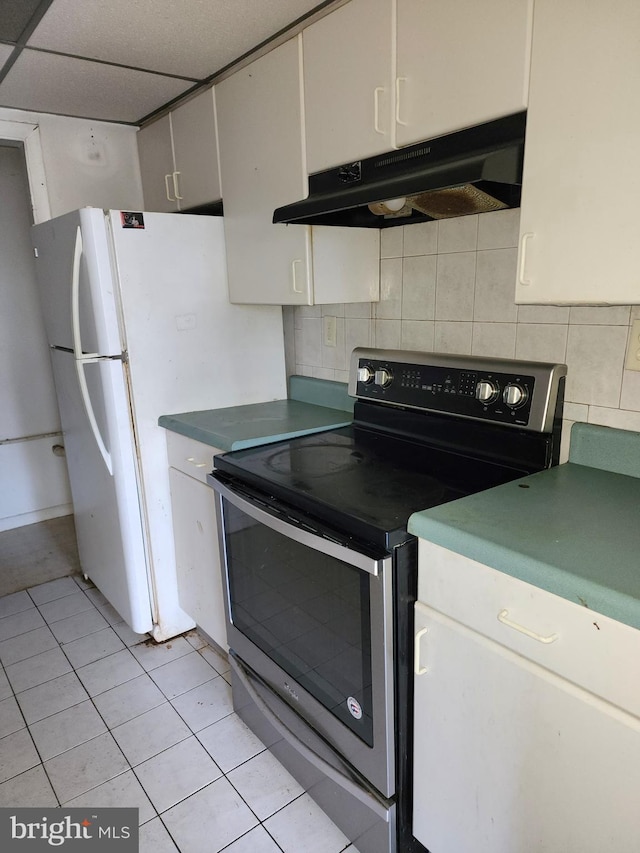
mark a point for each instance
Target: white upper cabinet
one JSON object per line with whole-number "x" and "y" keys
{"x": 179, "y": 157}
{"x": 579, "y": 218}
{"x": 348, "y": 74}
{"x": 459, "y": 63}
{"x": 262, "y": 164}
{"x": 155, "y": 150}
{"x": 381, "y": 74}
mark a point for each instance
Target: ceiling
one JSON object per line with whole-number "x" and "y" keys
{"x": 124, "y": 60}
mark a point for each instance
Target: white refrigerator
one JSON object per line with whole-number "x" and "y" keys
{"x": 139, "y": 324}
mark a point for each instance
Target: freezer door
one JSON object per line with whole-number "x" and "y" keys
{"x": 102, "y": 471}
{"x": 73, "y": 267}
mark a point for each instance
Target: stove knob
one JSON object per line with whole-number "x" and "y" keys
{"x": 383, "y": 377}
{"x": 365, "y": 374}
{"x": 487, "y": 391}
{"x": 514, "y": 395}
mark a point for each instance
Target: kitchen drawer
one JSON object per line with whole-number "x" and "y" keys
{"x": 591, "y": 650}
{"x": 190, "y": 456}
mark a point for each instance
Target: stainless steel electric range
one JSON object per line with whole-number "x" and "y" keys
{"x": 321, "y": 573}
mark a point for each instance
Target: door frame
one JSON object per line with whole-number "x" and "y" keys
{"x": 28, "y": 133}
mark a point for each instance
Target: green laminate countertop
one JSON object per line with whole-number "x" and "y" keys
{"x": 573, "y": 530}
{"x": 313, "y": 405}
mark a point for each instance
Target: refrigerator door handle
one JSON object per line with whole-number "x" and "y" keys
{"x": 88, "y": 407}
{"x": 81, "y": 359}
{"x": 75, "y": 298}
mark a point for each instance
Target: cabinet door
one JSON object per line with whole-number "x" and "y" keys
{"x": 195, "y": 146}
{"x": 578, "y": 226}
{"x": 459, "y": 63}
{"x": 261, "y": 164}
{"x": 509, "y": 758}
{"x": 155, "y": 151}
{"x": 197, "y": 554}
{"x": 348, "y": 74}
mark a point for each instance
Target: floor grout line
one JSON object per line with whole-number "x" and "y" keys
{"x": 109, "y": 729}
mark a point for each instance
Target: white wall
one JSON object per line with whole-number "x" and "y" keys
{"x": 86, "y": 163}
{"x": 33, "y": 481}
{"x": 91, "y": 164}
{"x": 449, "y": 286}
{"x": 73, "y": 163}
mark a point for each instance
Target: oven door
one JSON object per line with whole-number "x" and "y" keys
{"x": 314, "y": 619}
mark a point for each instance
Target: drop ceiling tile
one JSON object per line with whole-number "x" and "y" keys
{"x": 193, "y": 38}
{"x": 14, "y": 17}
{"x": 48, "y": 82}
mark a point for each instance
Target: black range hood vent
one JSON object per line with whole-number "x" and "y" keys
{"x": 471, "y": 171}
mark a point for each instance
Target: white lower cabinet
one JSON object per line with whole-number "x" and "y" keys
{"x": 512, "y": 753}
{"x": 196, "y": 535}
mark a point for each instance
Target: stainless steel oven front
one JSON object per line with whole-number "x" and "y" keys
{"x": 313, "y": 616}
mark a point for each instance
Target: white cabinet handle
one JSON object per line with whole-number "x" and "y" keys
{"x": 376, "y": 109}
{"x": 417, "y": 668}
{"x": 523, "y": 257}
{"x": 294, "y": 277}
{"x": 196, "y": 464}
{"x": 399, "y": 80}
{"x": 166, "y": 187}
{"x": 503, "y": 617}
{"x": 175, "y": 184}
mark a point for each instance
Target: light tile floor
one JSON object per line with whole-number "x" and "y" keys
{"x": 92, "y": 714}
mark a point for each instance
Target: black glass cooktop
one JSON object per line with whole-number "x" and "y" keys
{"x": 360, "y": 481}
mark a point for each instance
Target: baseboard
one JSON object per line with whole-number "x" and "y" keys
{"x": 25, "y": 518}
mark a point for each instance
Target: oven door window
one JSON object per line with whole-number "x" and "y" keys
{"x": 308, "y": 611}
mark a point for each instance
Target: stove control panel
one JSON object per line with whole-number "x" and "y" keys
{"x": 515, "y": 393}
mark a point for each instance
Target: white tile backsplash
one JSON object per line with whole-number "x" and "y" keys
{"x": 499, "y": 230}
{"x": 457, "y": 235}
{"x": 630, "y": 397}
{"x": 595, "y": 358}
{"x": 471, "y": 301}
{"x": 390, "y": 305}
{"x": 543, "y": 314}
{"x": 605, "y": 315}
{"x": 417, "y": 335}
{"x": 387, "y": 334}
{"x": 357, "y": 334}
{"x": 455, "y": 286}
{"x": 496, "y": 340}
{"x": 419, "y": 239}
{"x": 453, "y": 337}
{"x": 542, "y": 342}
{"x": 419, "y": 288}
{"x": 618, "y": 418}
{"x": 391, "y": 242}
{"x": 495, "y": 274}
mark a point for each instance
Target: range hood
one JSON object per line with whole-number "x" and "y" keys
{"x": 471, "y": 171}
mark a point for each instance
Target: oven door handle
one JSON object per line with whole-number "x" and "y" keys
{"x": 305, "y": 537}
{"x": 361, "y": 794}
